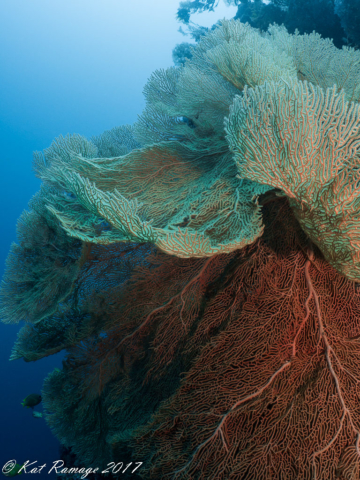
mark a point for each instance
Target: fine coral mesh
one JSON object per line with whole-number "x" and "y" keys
{"x": 268, "y": 338}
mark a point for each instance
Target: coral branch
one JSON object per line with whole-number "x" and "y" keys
{"x": 219, "y": 428}
{"x": 328, "y": 353}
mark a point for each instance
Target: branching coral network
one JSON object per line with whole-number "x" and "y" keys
{"x": 201, "y": 269}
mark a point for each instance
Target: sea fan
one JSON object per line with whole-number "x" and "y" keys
{"x": 205, "y": 281}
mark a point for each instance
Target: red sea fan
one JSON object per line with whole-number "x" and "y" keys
{"x": 243, "y": 366}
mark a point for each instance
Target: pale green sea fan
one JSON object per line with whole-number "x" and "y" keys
{"x": 242, "y": 56}
{"x": 189, "y": 104}
{"x": 318, "y": 61}
{"x": 305, "y": 141}
{"x": 187, "y": 202}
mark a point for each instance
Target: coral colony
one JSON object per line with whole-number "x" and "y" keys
{"x": 201, "y": 268}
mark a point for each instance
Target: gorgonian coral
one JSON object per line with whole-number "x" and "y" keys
{"x": 305, "y": 141}
{"x": 203, "y": 275}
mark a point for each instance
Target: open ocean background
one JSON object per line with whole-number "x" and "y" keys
{"x": 69, "y": 66}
